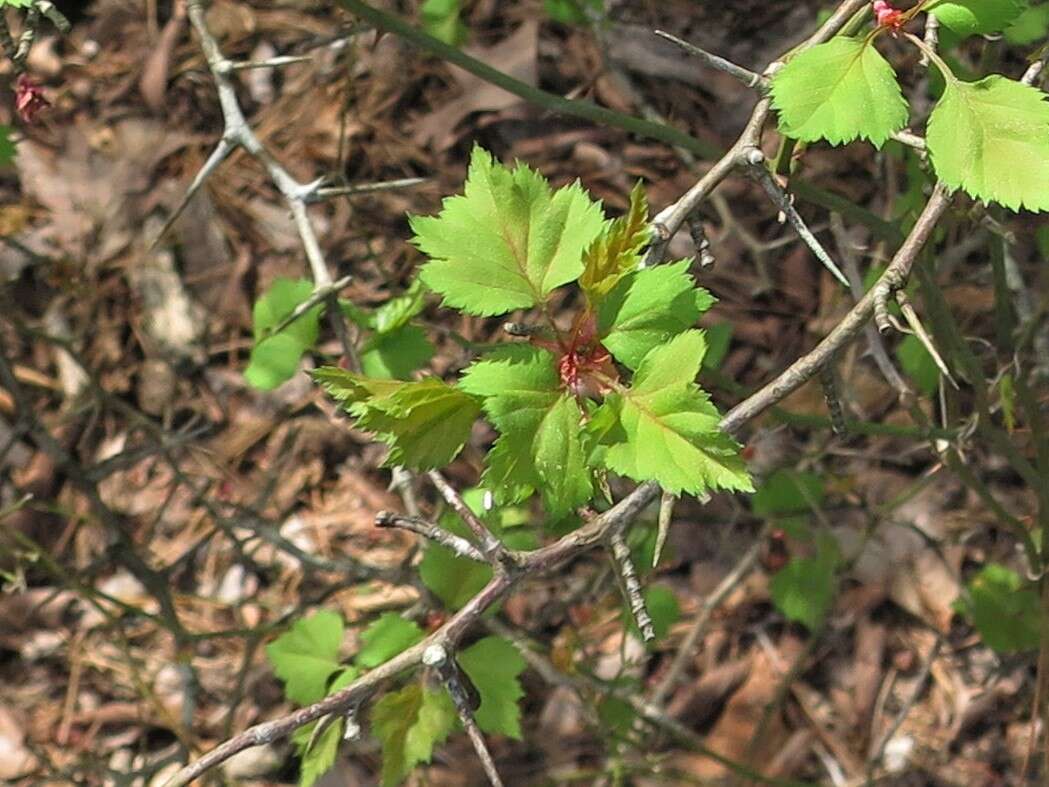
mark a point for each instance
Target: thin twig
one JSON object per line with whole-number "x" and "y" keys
{"x": 631, "y": 585}
{"x": 457, "y": 544}
{"x": 744, "y": 75}
{"x": 439, "y": 659}
{"x": 364, "y": 188}
{"x": 491, "y": 547}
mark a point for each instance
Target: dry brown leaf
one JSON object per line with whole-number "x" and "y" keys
{"x": 516, "y": 56}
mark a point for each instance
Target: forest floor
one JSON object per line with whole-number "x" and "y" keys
{"x": 257, "y": 507}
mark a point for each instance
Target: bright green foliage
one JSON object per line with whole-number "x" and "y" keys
{"x": 973, "y": 17}
{"x": 839, "y": 91}
{"x": 618, "y": 251}
{"x": 307, "y": 655}
{"x": 1030, "y": 26}
{"x": 667, "y": 428}
{"x": 787, "y": 492}
{"x": 425, "y": 423}
{"x": 719, "y": 338}
{"x": 16, "y": 3}
{"x": 918, "y": 365}
{"x": 572, "y": 12}
{"x": 1003, "y": 608}
{"x": 661, "y": 605}
{"x": 396, "y": 354}
{"x": 541, "y": 443}
{"x": 385, "y": 638}
{"x": 441, "y": 20}
{"x": 7, "y": 147}
{"x": 493, "y": 665}
{"x": 804, "y": 589}
{"x": 275, "y": 359}
{"x": 409, "y": 722}
{"x": 317, "y": 754}
{"x": 991, "y": 139}
{"x": 455, "y": 579}
{"x": 647, "y": 308}
{"x": 508, "y": 242}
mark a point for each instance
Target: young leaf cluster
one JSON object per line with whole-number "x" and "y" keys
{"x": 408, "y": 722}
{"x": 989, "y": 138}
{"x": 610, "y": 388}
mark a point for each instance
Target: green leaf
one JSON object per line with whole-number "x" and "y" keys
{"x": 1041, "y": 239}
{"x": 409, "y": 723}
{"x": 425, "y": 423}
{"x": 387, "y": 636}
{"x": 455, "y": 579}
{"x": 396, "y": 354}
{"x": 275, "y": 358}
{"x": 1030, "y": 26}
{"x": 16, "y": 3}
{"x": 661, "y": 605}
{"x": 991, "y": 139}
{"x": 839, "y": 91}
{"x": 508, "y": 242}
{"x": 572, "y": 12}
{"x": 318, "y": 755}
{"x": 787, "y": 492}
{"x": 541, "y": 444}
{"x": 397, "y": 312}
{"x": 617, "y": 251}
{"x": 648, "y": 308}
{"x": 804, "y": 589}
{"x": 7, "y": 146}
{"x": 668, "y": 429}
{"x": 719, "y": 338}
{"x": 441, "y": 20}
{"x": 973, "y": 17}
{"x": 1003, "y": 608}
{"x": 918, "y": 365}
{"x": 493, "y": 665}
{"x": 306, "y": 655}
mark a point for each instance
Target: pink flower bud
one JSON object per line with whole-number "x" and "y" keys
{"x": 887, "y": 16}
{"x": 29, "y": 98}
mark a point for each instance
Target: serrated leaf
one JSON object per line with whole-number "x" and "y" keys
{"x": 493, "y": 665}
{"x": 1003, "y": 608}
{"x": 668, "y": 430}
{"x": 975, "y": 17}
{"x": 385, "y": 638}
{"x": 7, "y": 146}
{"x": 425, "y": 423}
{"x": 508, "y": 242}
{"x": 617, "y": 251}
{"x": 275, "y": 358}
{"x": 839, "y": 91}
{"x": 541, "y": 442}
{"x": 647, "y": 308}
{"x": 307, "y": 655}
{"x": 991, "y": 139}
{"x": 409, "y": 723}
{"x": 317, "y": 753}
{"x": 397, "y": 312}
{"x": 353, "y": 390}
{"x": 396, "y": 354}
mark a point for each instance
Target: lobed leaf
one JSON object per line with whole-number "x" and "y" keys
{"x": 647, "y": 308}
{"x": 839, "y": 91}
{"x": 668, "y": 431}
{"x": 507, "y": 242}
{"x": 493, "y": 665}
{"x": 991, "y": 139}
{"x": 409, "y": 722}
{"x": 384, "y": 638}
{"x": 275, "y": 358}
{"x": 306, "y": 655}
